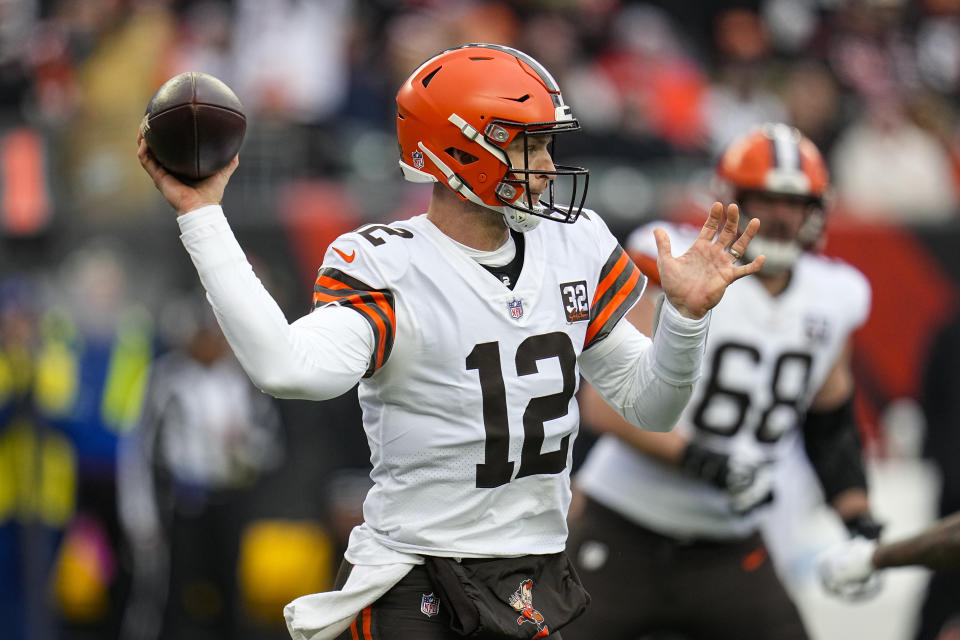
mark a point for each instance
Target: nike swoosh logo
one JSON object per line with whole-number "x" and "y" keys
{"x": 348, "y": 258}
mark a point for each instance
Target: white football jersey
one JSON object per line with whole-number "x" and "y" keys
{"x": 468, "y": 403}
{"x": 766, "y": 357}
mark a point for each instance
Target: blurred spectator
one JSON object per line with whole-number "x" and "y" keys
{"x": 412, "y": 37}
{"x": 738, "y": 99}
{"x": 16, "y": 21}
{"x": 487, "y": 21}
{"x": 204, "y": 41}
{"x": 660, "y": 86}
{"x": 204, "y": 438}
{"x": 886, "y": 167}
{"x": 25, "y": 198}
{"x": 50, "y": 55}
{"x": 593, "y": 94}
{"x": 115, "y": 80}
{"x": 18, "y": 321}
{"x": 290, "y": 57}
{"x": 934, "y": 113}
{"x": 37, "y": 471}
{"x": 791, "y": 23}
{"x": 812, "y": 100}
{"x": 96, "y": 351}
{"x": 553, "y": 38}
{"x": 869, "y": 49}
{"x": 938, "y": 47}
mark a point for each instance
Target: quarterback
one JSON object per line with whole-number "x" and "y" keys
{"x": 468, "y": 328}
{"x": 682, "y": 508}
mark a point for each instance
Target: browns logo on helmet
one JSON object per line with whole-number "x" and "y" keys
{"x": 776, "y": 160}
{"x": 461, "y": 109}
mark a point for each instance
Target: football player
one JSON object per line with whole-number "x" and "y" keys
{"x": 680, "y": 510}
{"x": 467, "y": 328}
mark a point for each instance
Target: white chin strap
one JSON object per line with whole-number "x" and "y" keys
{"x": 780, "y": 255}
{"x": 519, "y": 221}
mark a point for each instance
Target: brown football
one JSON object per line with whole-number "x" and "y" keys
{"x": 194, "y": 125}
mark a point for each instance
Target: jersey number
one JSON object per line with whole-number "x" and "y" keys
{"x": 497, "y": 470}
{"x": 797, "y": 363}
{"x": 368, "y": 231}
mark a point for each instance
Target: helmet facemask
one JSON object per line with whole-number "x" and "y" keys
{"x": 780, "y": 252}
{"x": 514, "y": 190}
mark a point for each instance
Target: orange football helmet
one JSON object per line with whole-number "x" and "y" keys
{"x": 458, "y": 112}
{"x": 776, "y": 159}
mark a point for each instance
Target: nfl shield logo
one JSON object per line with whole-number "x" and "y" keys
{"x": 417, "y": 159}
{"x": 516, "y": 309}
{"x": 429, "y": 604}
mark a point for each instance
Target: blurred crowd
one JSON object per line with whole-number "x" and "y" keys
{"x": 144, "y": 485}
{"x": 659, "y": 86}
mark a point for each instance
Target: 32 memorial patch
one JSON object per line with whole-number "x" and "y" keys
{"x": 573, "y": 296}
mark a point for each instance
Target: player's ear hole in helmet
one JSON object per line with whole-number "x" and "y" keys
{"x": 776, "y": 163}
{"x": 458, "y": 114}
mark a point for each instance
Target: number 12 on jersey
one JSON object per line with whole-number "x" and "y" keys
{"x": 497, "y": 469}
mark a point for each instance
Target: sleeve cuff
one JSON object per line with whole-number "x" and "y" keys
{"x": 207, "y": 237}
{"x": 678, "y": 346}
{"x": 208, "y": 215}
{"x": 679, "y": 323}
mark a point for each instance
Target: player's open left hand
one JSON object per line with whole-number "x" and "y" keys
{"x": 181, "y": 196}
{"x": 695, "y": 281}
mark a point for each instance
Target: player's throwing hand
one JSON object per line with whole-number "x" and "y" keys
{"x": 695, "y": 281}
{"x": 183, "y": 197}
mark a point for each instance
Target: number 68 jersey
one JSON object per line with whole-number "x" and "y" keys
{"x": 468, "y": 400}
{"x": 765, "y": 359}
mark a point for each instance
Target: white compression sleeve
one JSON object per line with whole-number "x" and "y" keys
{"x": 318, "y": 357}
{"x": 648, "y": 382}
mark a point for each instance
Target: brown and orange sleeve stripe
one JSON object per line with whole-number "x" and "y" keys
{"x": 375, "y": 305}
{"x": 620, "y": 285}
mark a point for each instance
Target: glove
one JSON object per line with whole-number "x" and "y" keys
{"x": 747, "y": 485}
{"x": 863, "y": 525}
{"x": 846, "y": 569}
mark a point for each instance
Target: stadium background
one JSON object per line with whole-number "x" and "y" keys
{"x": 659, "y": 88}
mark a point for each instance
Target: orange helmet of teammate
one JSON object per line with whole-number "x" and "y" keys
{"x": 776, "y": 160}
{"x": 458, "y": 113}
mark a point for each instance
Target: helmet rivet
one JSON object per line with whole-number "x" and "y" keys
{"x": 482, "y": 177}
{"x": 506, "y": 191}
{"x": 497, "y": 133}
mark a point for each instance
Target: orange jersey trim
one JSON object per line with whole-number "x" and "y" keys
{"x": 358, "y": 304}
{"x": 614, "y": 304}
{"x": 378, "y": 297}
{"x": 615, "y": 272}
{"x": 356, "y": 300}
{"x": 367, "y": 620}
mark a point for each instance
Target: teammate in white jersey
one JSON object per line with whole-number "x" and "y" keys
{"x": 668, "y": 538}
{"x": 467, "y": 328}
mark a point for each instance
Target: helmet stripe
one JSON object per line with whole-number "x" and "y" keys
{"x": 786, "y": 152}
